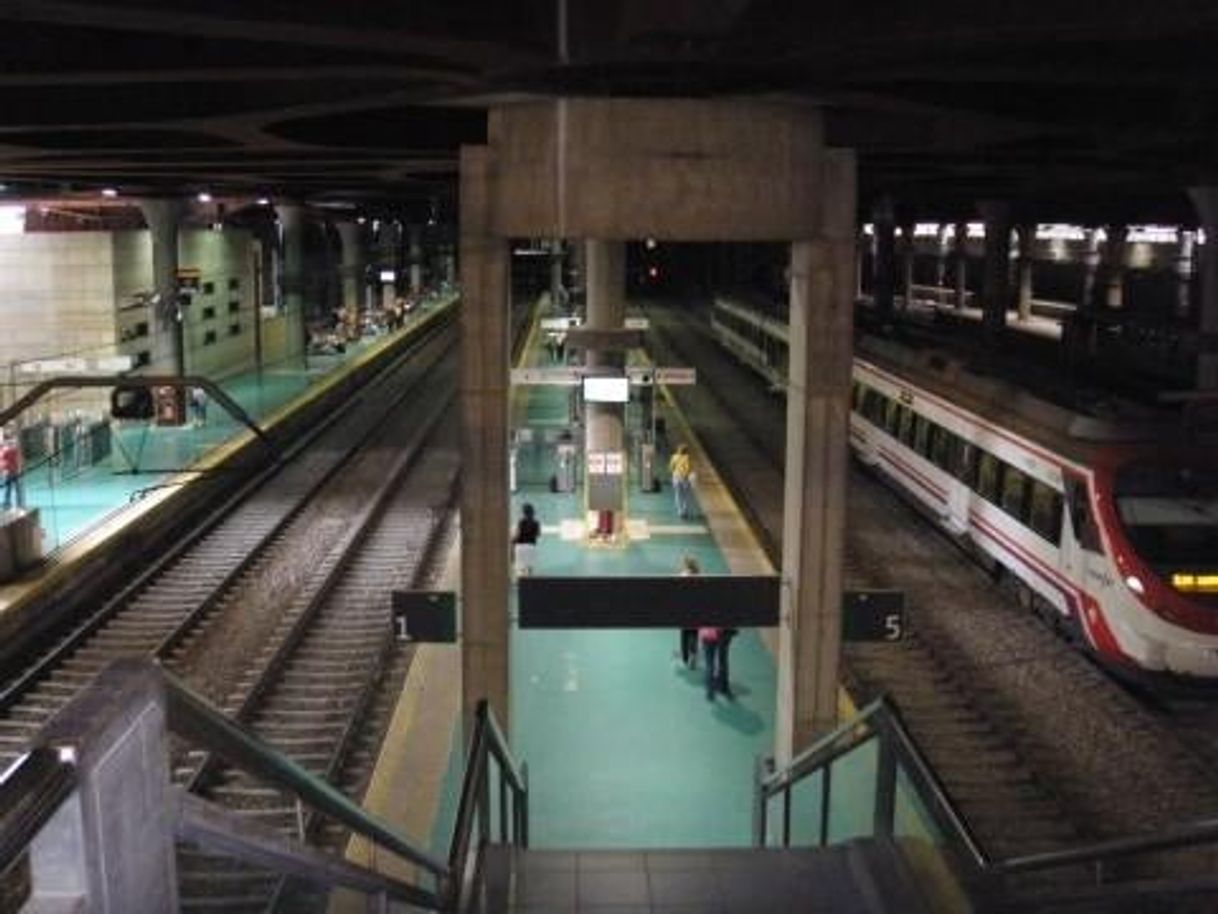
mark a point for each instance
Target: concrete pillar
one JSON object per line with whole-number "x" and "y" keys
{"x": 1114, "y": 267}
{"x": 558, "y": 293}
{"x": 1091, "y": 263}
{"x": 884, "y": 278}
{"x": 168, "y": 351}
{"x": 861, "y": 243}
{"x": 415, "y": 235}
{"x": 484, "y": 445}
{"x": 111, "y": 844}
{"x": 907, "y": 265}
{"x": 292, "y": 278}
{"x": 1027, "y": 258}
{"x": 606, "y": 310}
{"x": 818, "y": 410}
{"x": 354, "y": 264}
{"x": 996, "y": 276}
{"x": 1183, "y": 264}
{"x": 960, "y": 261}
{"x": 1205, "y": 199}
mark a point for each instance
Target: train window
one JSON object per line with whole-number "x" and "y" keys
{"x": 856, "y": 395}
{"x": 989, "y": 469}
{"x": 879, "y": 403}
{"x": 893, "y": 417}
{"x": 1014, "y": 493}
{"x": 922, "y": 436}
{"x": 906, "y": 430}
{"x": 1045, "y": 512}
{"x": 1081, "y": 518}
{"x": 943, "y": 448}
{"x": 965, "y": 465}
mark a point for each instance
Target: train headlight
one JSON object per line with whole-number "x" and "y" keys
{"x": 1134, "y": 583}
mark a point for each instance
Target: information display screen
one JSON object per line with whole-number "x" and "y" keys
{"x": 606, "y": 390}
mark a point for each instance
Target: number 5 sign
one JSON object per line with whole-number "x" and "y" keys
{"x": 873, "y": 615}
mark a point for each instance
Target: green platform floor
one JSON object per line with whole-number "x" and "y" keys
{"x": 623, "y": 747}
{"x": 72, "y": 502}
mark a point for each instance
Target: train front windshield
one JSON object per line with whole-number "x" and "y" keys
{"x": 1170, "y": 513}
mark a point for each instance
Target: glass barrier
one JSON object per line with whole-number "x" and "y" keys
{"x": 924, "y": 848}
{"x": 852, "y": 793}
{"x": 807, "y": 811}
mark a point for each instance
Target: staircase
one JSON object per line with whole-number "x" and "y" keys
{"x": 859, "y": 877}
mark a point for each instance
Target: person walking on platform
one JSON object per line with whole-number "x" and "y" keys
{"x": 524, "y": 542}
{"x": 709, "y": 637}
{"x": 689, "y": 636}
{"x": 681, "y": 466}
{"x": 722, "y": 682}
{"x": 10, "y": 466}
{"x": 198, "y": 407}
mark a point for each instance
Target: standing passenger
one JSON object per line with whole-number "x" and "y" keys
{"x": 710, "y": 638}
{"x": 722, "y": 683}
{"x": 681, "y": 467}
{"x": 689, "y": 636}
{"x": 10, "y": 466}
{"x": 524, "y": 542}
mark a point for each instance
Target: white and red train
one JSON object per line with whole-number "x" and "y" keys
{"x": 1110, "y": 528}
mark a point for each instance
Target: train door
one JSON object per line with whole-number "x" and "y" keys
{"x": 1081, "y": 546}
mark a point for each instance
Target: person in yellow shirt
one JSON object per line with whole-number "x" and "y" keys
{"x": 680, "y": 464}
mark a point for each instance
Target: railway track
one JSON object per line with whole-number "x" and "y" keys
{"x": 1036, "y": 746}
{"x": 168, "y": 606}
{"x": 313, "y": 693}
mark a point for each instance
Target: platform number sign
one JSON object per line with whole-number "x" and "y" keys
{"x": 873, "y": 615}
{"x": 427, "y": 616}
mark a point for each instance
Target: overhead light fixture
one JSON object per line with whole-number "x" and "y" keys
{"x": 109, "y": 192}
{"x": 204, "y": 197}
{"x": 264, "y": 201}
{"x": 361, "y": 220}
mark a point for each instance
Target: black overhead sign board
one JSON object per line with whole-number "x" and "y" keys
{"x": 873, "y": 615}
{"x": 649, "y": 602}
{"x": 425, "y": 615}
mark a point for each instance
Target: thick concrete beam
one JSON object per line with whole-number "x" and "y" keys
{"x": 674, "y": 169}
{"x": 484, "y": 443}
{"x": 163, "y": 216}
{"x": 818, "y": 409}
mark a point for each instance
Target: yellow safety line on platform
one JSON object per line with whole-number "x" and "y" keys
{"x": 408, "y": 778}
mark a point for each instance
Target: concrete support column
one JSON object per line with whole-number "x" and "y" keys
{"x": 996, "y": 278}
{"x": 415, "y": 235}
{"x": 861, "y": 243}
{"x": 1205, "y": 199}
{"x": 884, "y": 278}
{"x": 1183, "y": 263}
{"x": 354, "y": 264}
{"x": 292, "y": 226}
{"x": 1091, "y": 264}
{"x": 907, "y": 265}
{"x": 960, "y": 261}
{"x": 168, "y": 351}
{"x": 1027, "y": 258}
{"x": 485, "y": 520}
{"x": 818, "y": 410}
{"x": 1114, "y": 267}
{"x": 606, "y": 310}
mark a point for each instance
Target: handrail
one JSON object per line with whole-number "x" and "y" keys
{"x": 189, "y": 712}
{"x": 474, "y": 805}
{"x": 881, "y": 720}
{"x": 31, "y": 791}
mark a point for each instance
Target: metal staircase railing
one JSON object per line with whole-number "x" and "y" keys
{"x": 910, "y": 805}
{"x": 67, "y": 792}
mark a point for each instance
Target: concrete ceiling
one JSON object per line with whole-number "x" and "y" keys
{"x": 1073, "y": 110}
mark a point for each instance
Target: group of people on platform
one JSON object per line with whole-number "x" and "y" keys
{"x": 712, "y": 642}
